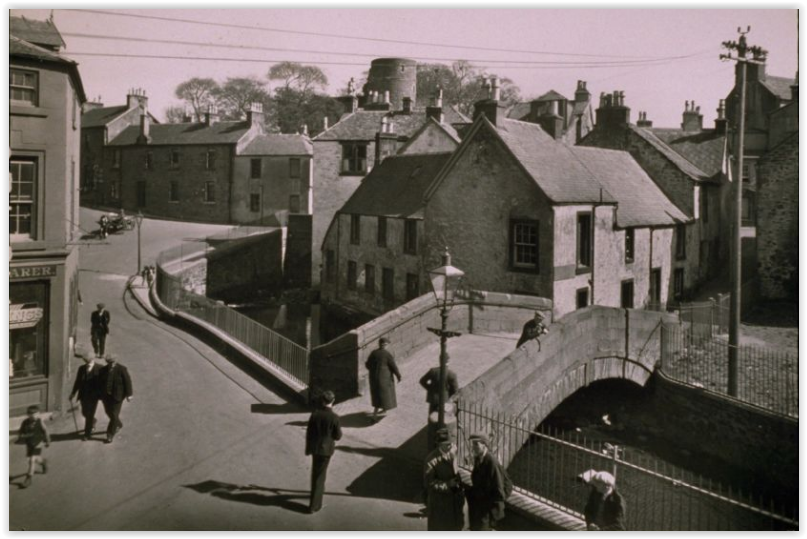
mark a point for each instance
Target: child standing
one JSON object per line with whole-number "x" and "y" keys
{"x": 33, "y": 433}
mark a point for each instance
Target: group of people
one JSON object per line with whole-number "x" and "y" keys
{"x": 109, "y": 384}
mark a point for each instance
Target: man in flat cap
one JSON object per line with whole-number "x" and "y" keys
{"x": 116, "y": 386}
{"x": 321, "y": 435}
{"x": 444, "y": 498}
{"x": 533, "y": 329}
{"x": 99, "y": 329}
{"x": 489, "y": 485}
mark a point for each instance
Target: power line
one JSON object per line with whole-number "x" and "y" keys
{"x": 324, "y": 62}
{"x": 625, "y": 63}
{"x": 342, "y": 36}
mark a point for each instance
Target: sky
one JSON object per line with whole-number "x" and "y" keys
{"x": 658, "y": 58}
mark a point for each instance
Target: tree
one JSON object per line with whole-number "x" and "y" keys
{"x": 461, "y": 84}
{"x": 297, "y": 101}
{"x": 175, "y": 114}
{"x": 198, "y": 93}
{"x": 235, "y": 96}
{"x": 305, "y": 79}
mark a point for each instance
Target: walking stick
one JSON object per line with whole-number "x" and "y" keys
{"x": 75, "y": 421}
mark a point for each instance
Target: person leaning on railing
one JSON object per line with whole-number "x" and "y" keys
{"x": 605, "y": 509}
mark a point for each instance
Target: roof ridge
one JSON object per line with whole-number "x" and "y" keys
{"x": 342, "y": 119}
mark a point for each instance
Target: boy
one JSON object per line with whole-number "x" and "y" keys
{"x": 33, "y": 432}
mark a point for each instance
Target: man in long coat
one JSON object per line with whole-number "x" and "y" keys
{"x": 487, "y": 495}
{"x": 86, "y": 388}
{"x": 382, "y": 367}
{"x": 444, "y": 497}
{"x": 116, "y": 385}
{"x": 321, "y": 435}
{"x": 99, "y": 329}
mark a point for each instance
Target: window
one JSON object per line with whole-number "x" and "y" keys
{"x": 116, "y": 158}
{"x": 173, "y": 158}
{"x": 22, "y": 199}
{"x": 749, "y": 209}
{"x": 294, "y": 167}
{"x": 354, "y": 158}
{"x": 24, "y": 87}
{"x": 141, "y": 194}
{"x": 210, "y": 159}
{"x": 629, "y": 245}
{"x": 355, "y": 229}
{"x": 294, "y": 187}
{"x": 680, "y": 241}
{"x": 148, "y": 163}
{"x": 255, "y": 168}
{"x": 294, "y": 203}
{"x": 369, "y": 279}
{"x": 584, "y": 243}
{"x": 655, "y": 286}
{"x": 581, "y": 299}
{"x": 388, "y": 284}
{"x": 28, "y": 329}
{"x": 254, "y": 202}
{"x": 114, "y": 189}
{"x": 330, "y": 268}
{"x": 210, "y": 192}
{"x": 627, "y": 294}
{"x": 351, "y": 275}
{"x": 173, "y": 191}
{"x": 678, "y": 283}
{"x": 411, "y": 236}
{"x": 382, "y": 232}
{"x": 524, "y": 245}
{"x": 412, "y": 286}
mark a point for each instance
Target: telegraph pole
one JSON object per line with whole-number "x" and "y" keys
{"x": 742, "y": 49}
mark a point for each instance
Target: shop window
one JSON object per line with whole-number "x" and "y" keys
{"x": 28, "y": 326}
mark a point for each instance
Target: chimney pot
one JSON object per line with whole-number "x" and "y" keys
{"x": 325, "y": 123}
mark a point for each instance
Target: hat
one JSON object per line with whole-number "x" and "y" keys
{"x": 442, "y": 435}
{"x": 539, "y": 314}
{"x": 602, "y": 478}
{"x": 481, "y": 438}
{"x": 100, "y": 305}
{"x": 383, "y": 340}
{"x": 328, "y": 397}
{"x": 33, "y": 409}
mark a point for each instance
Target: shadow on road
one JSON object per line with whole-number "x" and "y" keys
{"x": 254, "y": 494}
{"x": 357, "y": 420}
{"x": 283, "y": 408}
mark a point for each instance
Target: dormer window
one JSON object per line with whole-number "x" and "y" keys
{"x": 354, "y": 158}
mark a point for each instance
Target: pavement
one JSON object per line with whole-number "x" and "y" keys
{"x": 206, "y": 446}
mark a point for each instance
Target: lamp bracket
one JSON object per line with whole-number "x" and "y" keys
{"x": 447, "y": 333}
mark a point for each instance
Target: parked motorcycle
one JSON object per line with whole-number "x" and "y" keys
{"x": 111, "y": 223}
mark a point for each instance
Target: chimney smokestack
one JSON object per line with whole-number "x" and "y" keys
{"x": 255, "y": 116}
{"x": 212, "y": 115}
{"x": 144, "y": 137}
{"x": 435, "y": 110}
{"x": 494, "y": 88}
{"x": 693, "y": 119}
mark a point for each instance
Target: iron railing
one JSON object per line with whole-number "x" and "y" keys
{"x": 544, "y": 464}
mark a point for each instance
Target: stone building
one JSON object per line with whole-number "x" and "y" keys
{"x": 45, "y": 99}
{"x": 565, "y": 120}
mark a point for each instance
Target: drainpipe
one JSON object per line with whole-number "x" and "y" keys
{"x": 231, "y": 162}
{"x": 594, "y": 244}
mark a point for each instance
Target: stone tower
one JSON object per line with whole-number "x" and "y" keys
{"x": 398, "y": 76}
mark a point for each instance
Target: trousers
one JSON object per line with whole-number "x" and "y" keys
{"x": 98, "y": 339}
{"x": 112, "y": 409}
{"x": 88, "y": 408}
{"x": 319, "y": 469}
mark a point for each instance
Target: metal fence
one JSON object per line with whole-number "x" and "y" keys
{"x": 173, "y": 292}
{"x": 544, "y": 464}
{"x": 767, "y": 378}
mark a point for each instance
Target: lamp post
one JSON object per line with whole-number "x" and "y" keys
{"x": 445, "y": 281}
{"x": 139, "y": 220}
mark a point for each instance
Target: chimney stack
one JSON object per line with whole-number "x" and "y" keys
{"x": 137, "y": 98}
{"x": 255, "y": 116}
{"x": 435, "y": 110}
{"x": 612, "y": 112}
{"x": 144, "y": 137}
{"x": 325, "y": 123}
{"x": 350, "y": 103}
{"x": 643, "y": 121}
{"x": 581, "y": 94}
{"x": 551, "y": 121}
{"x": 721, "y": 123}
{"x": 490, "y": 108}
{"x": 212, "y": 114}
{"x": 386, "y": 141}
{"x": 693, "y": 119}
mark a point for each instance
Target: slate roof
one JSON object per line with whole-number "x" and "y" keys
{"x": 189, "y": 133}
{"x": 449, "y": 130}
{"x": 42, "y": 33}
{"x": 101, "y": 116}
{"x": 676, "y": 158}
{"x": 552, "y": 95}
{"x": 519, "y": 111}
{"x": 396, "y": 187}
{"x": 703, "y": 149}
{"x": 364, "y": 124}
{"x": 276, "y": 144}
{"x": 779, "y": 86}
{"x": 24, "y": 49}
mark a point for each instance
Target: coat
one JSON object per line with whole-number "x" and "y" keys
{"x": 121, "y": 385}
{"x": 531, "y": 330}
{"x": 608, "y": 512}
{"x": 382, "y": 367}
{"x": 487, "y": 494}
{"x": 431, "y": 383}
{"x": 99, "y": 321}
{"x": 322, "y": 433}
{"x": 444, "y": 497}
{"x": 86, "y": 385}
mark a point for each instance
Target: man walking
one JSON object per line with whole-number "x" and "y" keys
{"x": 488, "y": 492}
{"x": 382, "y": 367}
{"x": 431, "y": 383}
{"x": 99, "y": 321}
{"x": 116, "y": 385}
{"x": 320, "y": 439}
{"x": 87, "y": 391}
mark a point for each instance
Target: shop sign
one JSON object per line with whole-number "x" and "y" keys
{"x": 24, "y": 315}
{"x": 27, "y": 272}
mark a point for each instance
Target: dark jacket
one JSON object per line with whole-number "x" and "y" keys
{"x": 487, "y": 492}
{"x": 99, "y": 321}
{"x": 382, "y": 367}
{"x": 120, "y": 386}
{"x": 86, "y": 385}
{"x": 608, "y": 513}
{"x": 531, "y": 330}
{"x": 322, "y": 433}
{"x": 431, "y": 383}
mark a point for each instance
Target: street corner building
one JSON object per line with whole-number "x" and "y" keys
{"x": 46, "y": 96}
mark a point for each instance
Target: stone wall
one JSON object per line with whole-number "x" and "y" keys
{"x": 239, "y": 267}
{"x": 297, "y": 265}
{"x": 275, "y": 188}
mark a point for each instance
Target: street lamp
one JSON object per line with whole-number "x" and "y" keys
{"x": 445, "y": 281}
{"x": 139, "y": 220}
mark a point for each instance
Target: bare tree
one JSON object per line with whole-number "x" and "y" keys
{"x": 175, "y": 114}
{"x": 198, "y": 93}
{"x": 305, "y": 79}
{"x": 236, "y": 95}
